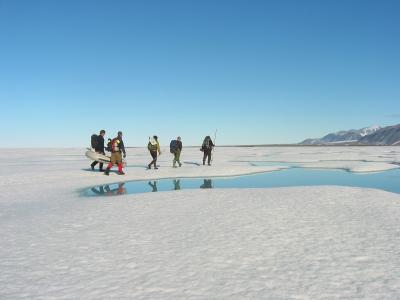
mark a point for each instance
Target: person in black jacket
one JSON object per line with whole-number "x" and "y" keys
{"x": 99, "y": 148}
{"x": 207, "y": 148}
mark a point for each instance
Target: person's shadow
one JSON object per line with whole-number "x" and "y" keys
{"x": 153, "y": 186}
{"x": 207, "y": 184}
{"x": 177, "y": 184}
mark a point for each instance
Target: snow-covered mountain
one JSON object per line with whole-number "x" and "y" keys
{"x": 347, "y": 136}
{"x": 368, "y": 130}
{"x": 389, "y": 135}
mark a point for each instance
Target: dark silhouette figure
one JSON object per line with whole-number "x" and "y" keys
{"x": 99, "y": 148}
{"x": 207, "y": 148}
{"x": 100, "y": 191}
{"x": 177, "y": 184}
{"x": 207, "y": 184}
{"x": 153, "y": 186}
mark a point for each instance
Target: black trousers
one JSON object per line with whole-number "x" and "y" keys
{"x": 96, "y": 162}
{"x": 207, "y": 154}
{"x": 154, "y": 156}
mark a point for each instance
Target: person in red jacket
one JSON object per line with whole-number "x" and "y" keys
{"x": 117, "y": 147}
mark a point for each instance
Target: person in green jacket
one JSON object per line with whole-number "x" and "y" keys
{"x": 176, "y": 149}
{"x": 154, "y": 148}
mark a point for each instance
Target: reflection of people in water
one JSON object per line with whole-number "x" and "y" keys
{"x": 98, "y": 192}
{"x": 207, "y": 184}
{"x": 106, "y": 190}
{"x": 177, "y": 184}
{"x": 153, "y": 186}
{"x": 120, "y": 190}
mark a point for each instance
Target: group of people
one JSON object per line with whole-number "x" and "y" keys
{"x": 117, "y": 149}
{"x": 115, "y": 146}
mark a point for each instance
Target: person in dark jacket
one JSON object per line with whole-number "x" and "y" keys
{"x": 99, "y": 149}
{"x": 207, "y": 148}
{"x": 177, "y": 152}
{"x": 117, "y": 147}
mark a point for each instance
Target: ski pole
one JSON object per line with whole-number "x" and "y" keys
{"x": 215, "y": 138}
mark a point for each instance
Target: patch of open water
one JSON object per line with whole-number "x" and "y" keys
{"x": 388, "y": 181}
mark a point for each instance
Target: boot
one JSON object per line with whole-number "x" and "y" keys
{"x": 120, "y": 172}
{"x": 107, "y": 171}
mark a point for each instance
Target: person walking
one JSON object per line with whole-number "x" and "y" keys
{"x": 154, "y": 148}
{"x": 176, "y": 149}
{"x": 117, "y": 148}
{"x": 99, "y": 148}
{"x": 207, "y": 148}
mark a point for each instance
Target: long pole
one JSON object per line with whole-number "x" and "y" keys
{"x": 215, "y": 138}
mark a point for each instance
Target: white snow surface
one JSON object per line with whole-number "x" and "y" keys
{"x": 280, "y": 243}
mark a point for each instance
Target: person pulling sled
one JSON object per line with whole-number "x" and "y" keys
{"x": 97, "y": 142}
{"x": 117, "y": 149}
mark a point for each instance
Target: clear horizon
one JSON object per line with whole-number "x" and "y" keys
{"x": 261, "y": 72}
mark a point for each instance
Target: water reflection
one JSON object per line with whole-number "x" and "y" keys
{"x": 107, "y": 190}
{"x": 153, "y": 186}
{"x": 388, "y": 181}
{"x": 177, "y": 184}
{"x": 135, "y": 187}
{"x": 207, "y": 184}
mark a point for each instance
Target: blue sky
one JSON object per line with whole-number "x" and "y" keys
{"x": 259, "y": 71}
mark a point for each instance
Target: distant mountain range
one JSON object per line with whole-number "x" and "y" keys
{"x": 374, "y": 135}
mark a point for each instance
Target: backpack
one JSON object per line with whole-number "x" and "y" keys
{"x": 206, "y": 145}
{"x": 94, "y": 140}
{"x": 173, "y": 146}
